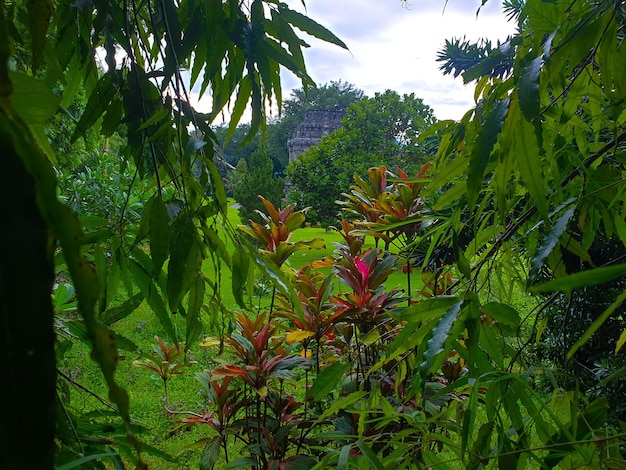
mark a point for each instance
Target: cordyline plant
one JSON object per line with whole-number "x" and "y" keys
{"x": 172, "y": 361}
{"x": 249, "y": 401}
{"x": 275, "y": 233}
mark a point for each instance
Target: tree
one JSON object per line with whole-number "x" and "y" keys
{"x": 332, "y": 96}
{"x": 382, "y": 130}
{"x": 254, "y": 180}
{"x": 230, "y": 49}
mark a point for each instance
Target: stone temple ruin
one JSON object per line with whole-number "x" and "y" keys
{"x": 316, "y": 124}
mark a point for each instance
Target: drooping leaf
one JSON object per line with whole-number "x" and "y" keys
{"x": 482, "y": 148}
{"x": 529, "y": 89}
{"x": 548, "y": 243}
{"x": 439, "y": 336}
{"x": 311, "y": 27}
{"x": 160, "y": 233}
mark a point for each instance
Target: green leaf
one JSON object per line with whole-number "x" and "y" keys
{"x": 370, "y": 455}
{"x": 439, "y": 336}
{"x": 328, "y": 379}
{"x": 427, "y": 309}
{"x": 33, "y": 101}
{"x": 587, "y": 278}
{"x": 482, "y": 148}
{"x": 548, "y": 243}
{"x": 149, "y": 290}
{"x": 243, "y": 462}
{"x": 160, "y": 233}
{"x": 121, "y": 311}
{"x": 597, "y": 323}
{"x": 83, "y": 460}
{"x": 521, "y": 137}
{"x": 341, "y": 404}
{"x": 182, "y": 265}
{"x": 97, "y": 105}
{"x": 528, "y": 89}
{"x": 210, "y": 454}
{"x": 194, "y": 306}
{"x": 39, "y": 13}
{"x": 240, "y": 267}
{"x": 311, "y": 27}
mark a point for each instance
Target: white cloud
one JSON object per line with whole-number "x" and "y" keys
{"x": 393, "y": 46}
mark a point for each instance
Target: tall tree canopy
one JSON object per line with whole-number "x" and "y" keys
{"x": 382, "y": 130}
{"x": 129, "y": 58}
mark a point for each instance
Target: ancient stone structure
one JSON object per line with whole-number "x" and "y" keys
{"x": 316, "y": 124}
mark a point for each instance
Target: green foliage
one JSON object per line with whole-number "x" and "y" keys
{"x": 382, "y": 130}
{"x": 257, "y": 179}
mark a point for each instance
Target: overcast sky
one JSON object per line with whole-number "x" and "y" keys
{"x": 393, "y": 45}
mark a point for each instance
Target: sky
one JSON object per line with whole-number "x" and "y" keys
{"x": 393, "y": 45}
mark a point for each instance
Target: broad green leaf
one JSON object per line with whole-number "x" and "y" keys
{"x": 311, "y": 27}
{"x": 548, "y": 243}
{"x": 597, "y": 323}
{"x": 328, "y": 379}
{"x": 482, "y": 148}
{"x": 439, "y": 336}
{"x": 587, "y": 278}
{"x": 33, "y": 101}
{"x": 210, "y": 454}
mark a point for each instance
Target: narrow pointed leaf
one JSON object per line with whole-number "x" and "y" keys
{"x": 328, "y": 379}
{"x": 311, "y": 27}
{"x": 588, "y": 278}
{"x": 439, "y": 336}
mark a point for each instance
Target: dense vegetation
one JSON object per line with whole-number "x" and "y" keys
{"x": 509, "y": 236}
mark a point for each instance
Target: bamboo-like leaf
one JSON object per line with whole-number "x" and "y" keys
{"x": 97, "y": 105}
{"x": 522, "y": 139}
{"x": 160, "y": 233}
{"x": 240, "y": 268}
{"x": 427, "y": 309}
{"x": 482, "y": 148}
{"x": 528, "y": 89}
{"x": 439, "y": 336}
{"x": 597, "y": 323}
{"x": 328, "y": 379}
{"x": 194, "y": 306}
{"x": 548, "y": 243}
{"x": 588, "y": 278}
{"x": 369, "y": 454}
{"x": 311, "y": 27}
{"x": 150, "y": 292}
{"x": 182, "y": 265}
